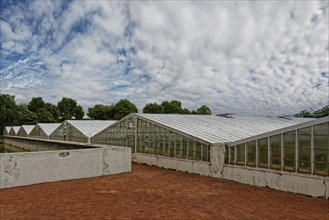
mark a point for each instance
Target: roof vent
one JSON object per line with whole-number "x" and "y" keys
{"x": 225, "y": 115}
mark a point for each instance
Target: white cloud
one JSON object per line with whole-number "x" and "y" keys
{"x": 243, "y": 57}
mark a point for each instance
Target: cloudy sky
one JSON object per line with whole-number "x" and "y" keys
{"x": 263, "y": 57}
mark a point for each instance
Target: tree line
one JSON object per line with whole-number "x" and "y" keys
{"x": 38, "y": 111}
{"x": 315, "y": 114}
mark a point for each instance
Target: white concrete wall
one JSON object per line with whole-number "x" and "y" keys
{"x": 116, "y": 160}
{"x": 316, "y": 186}
{"x": 217, "y": 157}
{"x": 311, "y": 185}
{"x": 25, "y": 168}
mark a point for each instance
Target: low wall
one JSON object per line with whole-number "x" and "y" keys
{"x": 26, "y": 168}
{"x": 316, "y": 186}
{"x": 33, "y": 144}
{"x": 312, "y": 185}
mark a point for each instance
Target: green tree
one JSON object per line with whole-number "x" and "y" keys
{"x": 101, "y": 112}
{"x": 7, "y": 111}
{"x": 68, "y": 109}
{"x": 304, "y": 114}
{"x": 203, "y": 110}
{"x": 166, "y": 107}
{"x": 153, "y": 108}
{"x": 36, "y": 103}
{"x": 53, "y": 109}
{"x": 122, "y": 108}
{"x": 185, "y": 111}
{"x": 173, "y": 106}
{"x": 45, "y": 116}
{"x": 45, "y": 112}
{"x": 24, "y": 116}
{"x": 7, "y": 102}
{"x": 78, "y": 112}
{"x": 321, "y": 112}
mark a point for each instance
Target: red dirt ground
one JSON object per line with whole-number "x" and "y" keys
{"x": 154, "y": 193}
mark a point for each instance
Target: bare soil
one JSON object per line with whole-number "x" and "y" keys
{"x": 154, "y": 193}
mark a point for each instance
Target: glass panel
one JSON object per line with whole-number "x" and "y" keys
{"x": 275, "y": 144}
{"x": 156, "y": 140}
{"x": 190, "y": 149}
{"x": 321, "y": 149}
{"x": 251, "y": 157}
{"x": 205, "y": 152}
{"x": 149, "y": 139}
{"x": 226, "y": 154}
{"x": 289, "y": 151}
{"x": 240, "y": 154}
{"x": 130, "y": 136}
{"x": 184, "y": 147}
{"x": 172, "y": 145}
{"x": 263, "y": 153}
{"x": 149, "y": 143}
{"x": 146, "y": 143}
{"x": 76, "y": 135}
{"x": 139, "y": 141}
{"x": 304, "y": 150}
{"x": 166, "y": 143}
{"x": 141, "y": 136}
{"x": 161, "y": 141}
{"x": 197, "y": 151}
{"x": 232, "y": 155}
{"x": 178, "y": 143}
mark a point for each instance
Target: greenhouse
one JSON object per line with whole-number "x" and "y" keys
{"x": 289, "y": 154}
{"x": 184, "y": 136}
{"x": 25, "y": 130}
{"x": 302, "y": 148}
{"x": 14, "y": 130}
{"x": 6, "y": 130}
{"x": 79, "y": 130}
{"x": 43, "y": 130}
